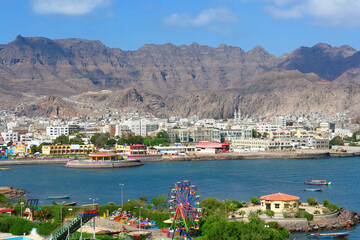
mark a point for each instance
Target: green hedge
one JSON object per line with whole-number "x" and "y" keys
{"x": 304, "y": 214}
{"x": 16, "y": 225}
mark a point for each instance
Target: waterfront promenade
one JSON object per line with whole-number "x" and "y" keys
{"x": 297, "y": 154}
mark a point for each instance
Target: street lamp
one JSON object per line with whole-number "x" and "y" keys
{"x": 139, "y": 216}
{"x": 225, "y": 209}
{"x": 61, "y": 212}
{"x": 70, "y": 209}
{"x": 93, "y": 207}
{"x": 21, "y": 204}
{"x": 122, "y": 196}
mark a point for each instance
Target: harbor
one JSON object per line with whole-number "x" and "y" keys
{"x": 238, "y": 180}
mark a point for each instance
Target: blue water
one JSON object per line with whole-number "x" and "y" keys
{"x": 226, "y": 179}
{"x": 18, "y": 238}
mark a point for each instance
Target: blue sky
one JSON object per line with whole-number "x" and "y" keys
{"x": 279, "y": 26}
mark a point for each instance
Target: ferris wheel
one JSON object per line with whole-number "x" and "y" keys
{"x": 185, "y": 205}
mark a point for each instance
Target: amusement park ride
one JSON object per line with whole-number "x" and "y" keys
{"x": 31, "y": 208}
{"x": 185, "y": 206}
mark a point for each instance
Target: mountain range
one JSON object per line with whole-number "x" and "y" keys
{"x": 66, "y": 77}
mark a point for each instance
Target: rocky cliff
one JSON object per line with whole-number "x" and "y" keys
{"x": 176, "y": 80}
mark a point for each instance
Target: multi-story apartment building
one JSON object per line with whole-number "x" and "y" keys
{"x": 10, "y": 136}
{"x": 56, "y": 131}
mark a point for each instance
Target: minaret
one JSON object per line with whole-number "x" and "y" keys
{"x": 239, "y": 118}
{"x": 235, "y": 120}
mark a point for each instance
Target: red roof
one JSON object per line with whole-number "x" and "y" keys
{"x": 279, "y": 197}
{"x": 208, "y": 145}
{"x": 137, "y": 146}
{"x": 6, "y": 210}
{"x": 104, "y": 153}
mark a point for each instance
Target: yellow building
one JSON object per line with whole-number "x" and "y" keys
{"x": 20, "y": 149}
{"x": 101, "y": 156}
{"x": 280, "y": 203}
{"x": 67, "y": 149}
{"x": 139, "y": 149}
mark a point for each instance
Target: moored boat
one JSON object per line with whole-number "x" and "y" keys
{"x": 317, "y": 182}
{"x": 330, "y": 235}
{"x": 70, "y": 203}
{"x": 58, "y": 197}
{"x": 4, "y": 168}
{"x": 313, "y": 189}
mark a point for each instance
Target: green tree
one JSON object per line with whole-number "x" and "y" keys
{"x": 326, "y": 202}
{"x": 34, "y": 149}
{"x": 222, "y": 139}
{"x": 9, "y": 144}
{"x": 143, "y": 199}
{"x": 255, "y": 134}
{"x": 159, "y": 201}
{"x": 111, "y": 142}
{"x": 270, "y": 213}
{"x": 220, "y": 229}
{"x": 100, "y": 139}
{"x": 312, "y": 201}
{"x": 62, "y": 140}
{"x": 254, "y": 200}
{"x": 336, "y": 141}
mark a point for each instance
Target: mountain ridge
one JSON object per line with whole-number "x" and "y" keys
{"x": 163, "y": 74}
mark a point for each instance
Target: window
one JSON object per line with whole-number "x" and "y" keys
{"x": 295, "y": 204}
{"x": 277, "y": 205}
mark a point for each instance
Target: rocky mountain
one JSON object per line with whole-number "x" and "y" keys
{"x": 41, "y": 76}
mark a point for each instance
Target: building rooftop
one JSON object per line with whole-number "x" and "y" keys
{"x": 279, "y": 197}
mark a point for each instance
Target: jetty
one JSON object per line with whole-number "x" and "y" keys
{"x": 104, "y": 160}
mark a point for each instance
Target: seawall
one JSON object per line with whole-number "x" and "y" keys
{"x": 88, "y": 164}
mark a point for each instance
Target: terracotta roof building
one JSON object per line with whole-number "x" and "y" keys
{"x": 280, "y": 203}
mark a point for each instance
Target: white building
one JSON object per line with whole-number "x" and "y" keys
{"x": 10, "y": 136}
{"x": 56, "y": 131}
{"x": 262, "y": 128}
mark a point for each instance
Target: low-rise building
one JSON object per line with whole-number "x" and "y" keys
{"x": 280, "y": 203}
{"x": 266, "y": 144}
{"x": 68, "y": 149}
{"x": 131, "y": 149}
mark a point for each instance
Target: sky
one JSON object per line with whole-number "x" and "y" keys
{"x": 280, "y": 26}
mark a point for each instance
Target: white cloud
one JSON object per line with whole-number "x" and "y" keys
{"x": 67, "y": 7}
{"x": 210, "y": 18}
{"x": 322, "y": 12}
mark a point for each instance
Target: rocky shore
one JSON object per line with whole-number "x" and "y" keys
{"x": 343, "y": 219}
{"x": 12, "y": 193}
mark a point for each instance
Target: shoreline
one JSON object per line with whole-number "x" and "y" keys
{"x": 316, "y": 154}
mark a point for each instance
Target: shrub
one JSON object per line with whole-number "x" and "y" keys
{"x": 16, "y": 225}
{"x": 259, "y": 212}
{"x": 221, "y": 229}
{"x": 242, "y": 213}
{"x": 254, "y": 200}
{"x": 235, "y": 205}
{"x": 304, "y": 214}
{"x": 3, "y": 199}
{"x": 213, "y": 205}
{"x": 269, "y": 213}
{"x": 326, "y": 202}
{"x": 312, "y": 201}
{"x": 332, "y": 207}
{"x": 46, "y": 228}
{"x": 316, "y": 212}
{"x": 325, "y": 210}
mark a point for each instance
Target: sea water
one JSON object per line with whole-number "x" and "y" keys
{"x": 223, "y": 179}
